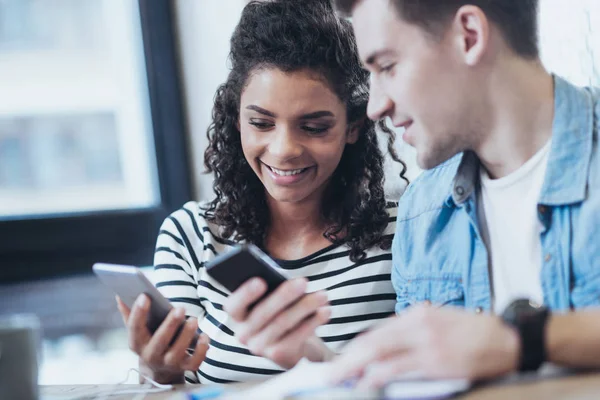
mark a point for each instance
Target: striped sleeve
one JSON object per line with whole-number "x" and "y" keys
{"x": 176, "y": 264}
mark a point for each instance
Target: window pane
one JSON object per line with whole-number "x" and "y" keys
{"x": 75, "y": 132}
{"x": 570, "y": 39}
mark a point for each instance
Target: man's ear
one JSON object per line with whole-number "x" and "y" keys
{"x": 353, "y": 131}
{"x": 472, "y": 33}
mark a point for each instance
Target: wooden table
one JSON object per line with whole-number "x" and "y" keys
{"x": 576, "y": 387}
{"x": 59, "y": 392}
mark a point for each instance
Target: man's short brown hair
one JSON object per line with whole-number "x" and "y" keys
{"x": 516, "y": 19}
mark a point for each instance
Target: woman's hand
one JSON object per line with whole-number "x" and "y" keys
{"x": 164, "y": 362}
{"x": 282, "y": 326}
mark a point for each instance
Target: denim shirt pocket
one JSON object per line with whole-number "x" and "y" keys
{"x": 439, "y": 291}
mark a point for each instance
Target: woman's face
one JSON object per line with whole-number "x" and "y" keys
{"x": 293, "y": 130}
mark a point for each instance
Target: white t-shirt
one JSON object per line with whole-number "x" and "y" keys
{"x": 509, "y": 206}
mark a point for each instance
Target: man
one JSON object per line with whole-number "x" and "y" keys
{"x": 509, "y": 207}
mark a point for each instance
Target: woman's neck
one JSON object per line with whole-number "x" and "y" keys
{"x": 295, "y": 229}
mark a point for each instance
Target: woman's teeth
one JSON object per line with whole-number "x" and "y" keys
{"x": 287, "y": 173}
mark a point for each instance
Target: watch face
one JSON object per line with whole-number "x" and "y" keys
{"x": 535, "y": 304}
{"x": 523, "y": 309}
{"x": 529, "y": 320}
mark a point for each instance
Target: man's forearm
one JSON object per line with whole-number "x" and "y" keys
{"x": 573, "y": 339}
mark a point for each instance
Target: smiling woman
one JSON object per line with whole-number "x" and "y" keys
{"x": 262, "y": 53}
{"x": 295, "y": 139}
{"x": 299, "y": 173}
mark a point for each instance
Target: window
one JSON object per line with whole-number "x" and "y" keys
{"x": 74, "y": 126}
{"x": 92, "y": 145}
{"x": 570, "y": 39}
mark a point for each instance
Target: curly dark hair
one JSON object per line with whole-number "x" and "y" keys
{"x": 299, "y": 35}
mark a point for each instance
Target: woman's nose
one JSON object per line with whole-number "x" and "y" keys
{"x": 284, "y": 144}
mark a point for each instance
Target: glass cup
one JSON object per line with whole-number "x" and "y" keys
{"x": 20, "y": 337}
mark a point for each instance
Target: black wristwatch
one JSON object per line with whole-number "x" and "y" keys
{"x": 529, "y": 319}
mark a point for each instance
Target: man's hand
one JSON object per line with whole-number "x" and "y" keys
{"x": 433, "y": 343}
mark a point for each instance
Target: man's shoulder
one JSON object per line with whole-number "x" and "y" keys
{"x": 429, "y": 191}
{"x": 594, "y": 170}
{"x": 595, "y": 91}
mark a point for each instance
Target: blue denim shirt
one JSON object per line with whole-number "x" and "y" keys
{"x": 438, "y": 252}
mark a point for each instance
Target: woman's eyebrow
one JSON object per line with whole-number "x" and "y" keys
{"x": 261, "y": 111}
{"x": 317, "y": 114}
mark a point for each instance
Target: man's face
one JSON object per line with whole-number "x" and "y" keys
{"x": 417, "y": 81}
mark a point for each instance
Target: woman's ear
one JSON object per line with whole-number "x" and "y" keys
{"x": 353, "y": 131}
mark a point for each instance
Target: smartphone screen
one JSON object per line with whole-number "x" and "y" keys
{"x": 242, "y": 263}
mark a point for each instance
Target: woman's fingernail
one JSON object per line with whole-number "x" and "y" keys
{"x": 255, "y": 348}
{"x": 300, "y": 284}
{"x": 325, "y": 312}
{"x": 179, "y": 313}
{"x": 256, "y": 285}
{"x": 142, "y": 301}
{"x": 204, "y": 339}
{"x": 322, "y": 295}
{"x": 243, "y": 339}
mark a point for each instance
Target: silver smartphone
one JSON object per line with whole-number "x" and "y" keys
{"x": 128, "y": 283}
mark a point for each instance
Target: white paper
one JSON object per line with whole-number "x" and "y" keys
{"x": 425, "y": 389}
{"x": 306, "y": 375}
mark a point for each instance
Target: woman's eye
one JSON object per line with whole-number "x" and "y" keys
{"x": 261, "y": 124}
{"x": 315, "y": 130}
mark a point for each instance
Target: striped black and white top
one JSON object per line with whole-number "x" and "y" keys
{"x": 360, "y": 293}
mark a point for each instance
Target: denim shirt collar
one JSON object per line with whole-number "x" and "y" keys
{"x": 570, "y": 153}
{"x": 466, "y": 179}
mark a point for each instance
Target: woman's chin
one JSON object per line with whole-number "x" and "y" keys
{"x": 291, "y": 198}
{"x": 288, "y": 195}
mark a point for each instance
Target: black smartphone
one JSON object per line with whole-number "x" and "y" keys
{"x": 235, "y": 267}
